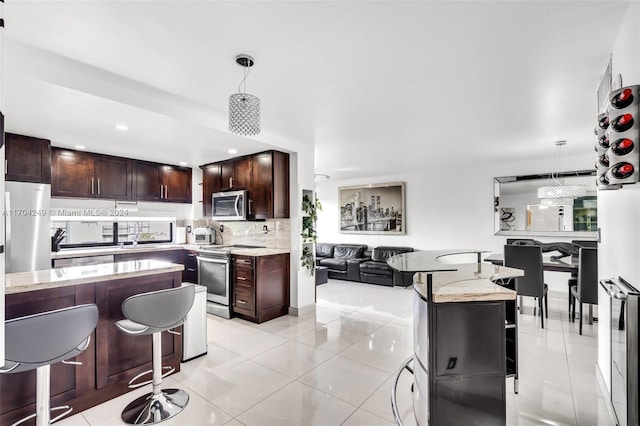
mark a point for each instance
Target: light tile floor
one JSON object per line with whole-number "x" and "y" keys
{"x": 335, "y": 366}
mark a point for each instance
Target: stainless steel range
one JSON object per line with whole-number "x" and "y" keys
{"x": 214, "y": 274}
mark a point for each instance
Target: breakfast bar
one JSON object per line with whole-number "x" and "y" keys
{"x": 460, "y": 341}
{"x": 112, "y": 358}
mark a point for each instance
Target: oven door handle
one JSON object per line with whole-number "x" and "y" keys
{"x": 613, "y": 291}
{"x": 210, "y": 260}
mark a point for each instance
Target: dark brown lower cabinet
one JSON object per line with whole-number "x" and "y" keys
{"x": 112, "y": 358}
{"x": 190, "y": 262}
{"x": 172, "y": 256}
{"x": 260, "y": 286}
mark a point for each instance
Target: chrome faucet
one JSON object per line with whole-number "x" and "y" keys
{"x": 136, "y": 232}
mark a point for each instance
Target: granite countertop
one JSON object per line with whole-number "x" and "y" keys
{"x": 97, "y": 251}
{"x": 20, "y": 282}
{"x": 467, "y": 282}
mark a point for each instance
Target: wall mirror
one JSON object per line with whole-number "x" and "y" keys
{"x": 547, "y": 205}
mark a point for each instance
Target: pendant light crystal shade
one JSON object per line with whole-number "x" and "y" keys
{"x": 562, "y": 191}
{"x": 244, "y": 114}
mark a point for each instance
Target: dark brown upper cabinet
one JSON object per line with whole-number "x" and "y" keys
{"x": 160, "y": 182}
{"x": 72, "y": 173}
{"x": 28, "y": 159}
{"x": 235, "y": 173}
{"x": 269, "y": 185}
{"x": 88, "y": 175}
{"x": 265, "y": 175}
{"x": 211, "y": 181}
{"x": 114, "y": 177}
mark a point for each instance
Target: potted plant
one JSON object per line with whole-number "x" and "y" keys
{"x": 310, "y": 210}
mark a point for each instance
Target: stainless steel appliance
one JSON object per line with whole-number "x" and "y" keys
{"x": 194, "y": 329}
{"x": 204, "y": 236}
{"x": 83, "y": 261}
{"x": 214, "y": 274}
{"x": 624, "y": 350}
{"x": 28, "y": 239}
{"x": 230, "y": 205}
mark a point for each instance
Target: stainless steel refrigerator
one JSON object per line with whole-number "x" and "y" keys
{"x": 27, "y": 226}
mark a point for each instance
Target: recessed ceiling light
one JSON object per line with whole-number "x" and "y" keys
{"x": 80, "y": 147}
{"x": 232, "y": 151}
{"x": 121, "y": 127}
{"x": 183, "y": 163}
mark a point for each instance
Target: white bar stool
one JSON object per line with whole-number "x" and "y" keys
{"x": 39, "y": 340}
{"x": 152, "y": 313}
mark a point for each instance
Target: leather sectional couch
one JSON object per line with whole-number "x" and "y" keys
{"x": 355, "y": 262}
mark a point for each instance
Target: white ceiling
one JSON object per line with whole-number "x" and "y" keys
{"x": 379, "y": 87}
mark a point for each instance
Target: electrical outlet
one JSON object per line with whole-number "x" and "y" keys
{"x": 265, "y": 228}
{"x": 221, "y": 228}
{"x": 189, "y": 229}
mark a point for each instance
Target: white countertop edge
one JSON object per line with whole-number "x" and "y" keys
{"x": 21, "y": 282}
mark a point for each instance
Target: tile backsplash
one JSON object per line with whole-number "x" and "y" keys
{"x": 277, "y": 235}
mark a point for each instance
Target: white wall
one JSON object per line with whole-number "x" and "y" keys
{"x": 618, "y": 210}
{"x": 445, "y": 213}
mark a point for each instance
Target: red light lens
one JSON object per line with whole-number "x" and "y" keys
{"x": 625, "y": 119}
{"x": 626, "y": 143}
{"x": 625, "y": 94}
{"x": 627, "y": 168}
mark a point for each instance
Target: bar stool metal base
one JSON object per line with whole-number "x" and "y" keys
{"x": 151, "y": 409}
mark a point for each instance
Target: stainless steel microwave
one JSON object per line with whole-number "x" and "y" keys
{"x": 231, "y": 205}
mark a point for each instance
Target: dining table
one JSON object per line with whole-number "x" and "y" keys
{"x": 550, "y": 263}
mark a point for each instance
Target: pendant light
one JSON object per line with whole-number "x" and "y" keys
{"x": 244, "y": 109}
{"x": 560, "y": 193}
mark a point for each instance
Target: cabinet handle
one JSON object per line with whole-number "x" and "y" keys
{"x": 241, "y": 278}
{"x": 98, "y": 186}
{"x": 230, "y": 182}
{"x": 191, "y": 269}
{"x": 166, "y": 192}
{"x": 250, "y": 201}
{"x": 6, "y": 167}
{"x": 92, "y": 185}
{"x": 191, "y": 254}
{"x": 242, "y": 302}
{"x": 161, "y": 191}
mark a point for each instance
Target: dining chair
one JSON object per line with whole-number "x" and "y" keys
{"x": 529, "y": 259}
{"x": 586, "y": 289}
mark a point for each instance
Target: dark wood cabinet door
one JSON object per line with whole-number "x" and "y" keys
{"x": 226, "y": 174}
{"x": 148, "y": 181}
{"x": 280, "y": 185}
{"x": 211, "y": 183}
{"x": 241, "y": 172}
{"x": 261, "y": 188}
{"x": 114, "y": 177}
{"x": 177, "y": 184}
{"x": 28, "y": 159}
{"x": 73, "y": 174}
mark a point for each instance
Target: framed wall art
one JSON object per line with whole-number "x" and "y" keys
{"x": 372, "y": 209}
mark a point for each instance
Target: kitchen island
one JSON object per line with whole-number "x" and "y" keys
{"x": 112, "y": 358}
{"x": 459, "y": 323}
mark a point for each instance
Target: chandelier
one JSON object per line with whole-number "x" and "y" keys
{"x": 244, "y": 109}
{"x": 560, "y": 192}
